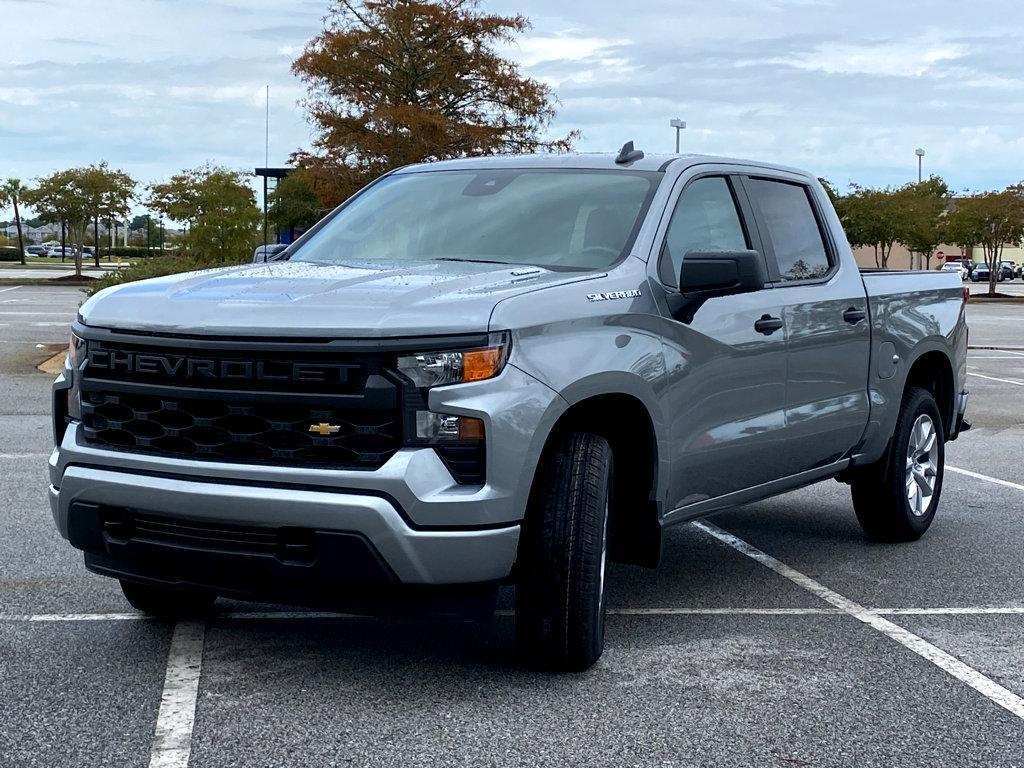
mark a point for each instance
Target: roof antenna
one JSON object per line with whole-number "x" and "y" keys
{"x": 627, "y": 154}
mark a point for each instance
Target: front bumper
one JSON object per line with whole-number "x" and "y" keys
{"x": 422, "y": 526}
{"x": 412, "y": 556}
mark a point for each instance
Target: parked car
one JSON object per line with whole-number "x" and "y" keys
{"x": 269, "y": 253}
{"x": 495, "y": 370}
{"x": 35, "y": 251}
{"x": 1009, "y": 270}
{"x": 981, "y": 273}
{"x": 956, "y": 267}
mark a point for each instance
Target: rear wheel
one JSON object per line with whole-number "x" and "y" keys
{"x": 896, "y": 498}
{"x": 167, "y": 602}
{"x": 560, "y": 592}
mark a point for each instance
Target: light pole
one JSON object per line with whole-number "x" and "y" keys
{"x": 679, "y": 125}
{"x": 920, "y": 154}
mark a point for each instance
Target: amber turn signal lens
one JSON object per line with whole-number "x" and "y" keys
{"x": 482, "y": 364}
{"x": 471, "y": 429}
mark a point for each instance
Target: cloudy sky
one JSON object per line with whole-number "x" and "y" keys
{"x": 845, "y": 88}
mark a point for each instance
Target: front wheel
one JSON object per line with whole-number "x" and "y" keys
{"x": 560, "y": 590}
{"x": 895, "y": 499}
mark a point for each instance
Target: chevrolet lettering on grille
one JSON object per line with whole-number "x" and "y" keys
{"x": 186, "y": 368}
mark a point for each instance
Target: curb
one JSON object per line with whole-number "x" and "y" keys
{"x": 44, "y": 282}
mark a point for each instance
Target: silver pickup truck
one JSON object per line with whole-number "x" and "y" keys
{"x": 501, "y": 370}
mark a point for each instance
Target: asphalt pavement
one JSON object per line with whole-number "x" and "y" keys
{"x": 774, "y": 635}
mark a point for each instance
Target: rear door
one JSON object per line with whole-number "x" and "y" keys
{"x": 825, "y": 309}
{"x": 726, "y": 365}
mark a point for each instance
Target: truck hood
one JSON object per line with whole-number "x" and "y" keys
{"x": 304, "y": 299}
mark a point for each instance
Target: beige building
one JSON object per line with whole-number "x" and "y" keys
{"x": 901, "y": 259}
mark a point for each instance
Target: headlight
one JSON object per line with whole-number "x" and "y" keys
{"x": 76, "y": 351}
{"x": 432, "y": 369}
{"x": 76, "y": 357}
{"x": 436, "y": 428}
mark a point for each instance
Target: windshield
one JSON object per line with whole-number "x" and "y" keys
{"x": 562, "y": 219}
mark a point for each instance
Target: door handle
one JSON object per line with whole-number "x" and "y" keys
{"x": 766, "y": 324}
{"x": 853, "y": 315}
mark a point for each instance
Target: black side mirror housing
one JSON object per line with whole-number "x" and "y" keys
{"x": 720, "y": 273}
{"x": 707, "y": 274}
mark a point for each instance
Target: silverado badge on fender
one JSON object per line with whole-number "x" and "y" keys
{"x": 606, "y": 295}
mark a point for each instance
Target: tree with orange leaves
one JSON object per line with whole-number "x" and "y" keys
{"x": 393, "y": 82}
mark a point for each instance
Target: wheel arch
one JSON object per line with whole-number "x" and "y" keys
{"x": 932, "y": 370}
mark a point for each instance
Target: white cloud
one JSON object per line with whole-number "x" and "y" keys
{"x": 845, "y": 89}
{"x": 566, "y": 46}
{"x": 912, "y": 57}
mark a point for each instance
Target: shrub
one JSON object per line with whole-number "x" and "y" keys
{"x": 10, "y": 254}
{"x": 133, "y": 252}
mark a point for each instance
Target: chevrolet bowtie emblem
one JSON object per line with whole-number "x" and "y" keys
{"x": 324, "y": 429}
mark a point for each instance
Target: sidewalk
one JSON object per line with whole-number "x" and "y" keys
{"x": 51, "y": 272}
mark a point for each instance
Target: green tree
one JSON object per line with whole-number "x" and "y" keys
{"x": 109, "y": 193}
{"x": 991, "y": 220}
{"x": 293, "y": 204}
{"x": 873, "y": 217}
{"x": 64, "y": 196}
{"x": 11, "y": 193}
{"x": 923, "y": 206}
{"x": 393, "y": 82}
{"x": 219, "y": 208}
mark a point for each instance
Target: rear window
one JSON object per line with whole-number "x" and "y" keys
{"x": 792, "y": 229}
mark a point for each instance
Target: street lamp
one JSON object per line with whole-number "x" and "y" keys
{"x": 679, "y": 125}
{"x": 920, "y": 154}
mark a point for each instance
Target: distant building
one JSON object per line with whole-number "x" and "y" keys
{"x": 901, "y": 259}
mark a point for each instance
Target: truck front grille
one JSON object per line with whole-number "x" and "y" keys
{"x": 239, "y": 431}
{"x": 242, "y": 402}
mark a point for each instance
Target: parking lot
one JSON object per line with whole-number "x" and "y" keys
{"x": 772, "y": 634}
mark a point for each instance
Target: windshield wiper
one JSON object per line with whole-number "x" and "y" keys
{"x": 477, "y": 261}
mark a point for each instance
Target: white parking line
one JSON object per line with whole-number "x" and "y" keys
{"x": 955, "y": 610}
{"x": 667, "y": 611}
{"x": 943, "y": 660}
{"x": 172, "y": 741}
{"x": 989, "y": 478}
{"x": 25, "y": 455}
{"x": 995, "y": 379}
{"x": 106, "y": 617}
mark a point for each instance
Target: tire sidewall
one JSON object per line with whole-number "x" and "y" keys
{"x": 561, "y": 589}
{"x": 919, "y": 402}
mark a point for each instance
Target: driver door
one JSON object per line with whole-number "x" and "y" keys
{"x": 726, "y": 379}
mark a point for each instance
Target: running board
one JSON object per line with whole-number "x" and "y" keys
{"x": 753, "y": 494}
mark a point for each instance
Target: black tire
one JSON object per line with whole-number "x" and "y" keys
{"x": 167, "y": 602}
{"x": 560, "y": 596}
{"x": 880, "y": 492}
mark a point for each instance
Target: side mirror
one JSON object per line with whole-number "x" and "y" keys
{"x": 267, "y": 253}
{"x": 720, "y": 273}
{"x": 707, "y": 274}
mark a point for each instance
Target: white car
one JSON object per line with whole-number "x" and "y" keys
{"x": 956, "y": 267}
